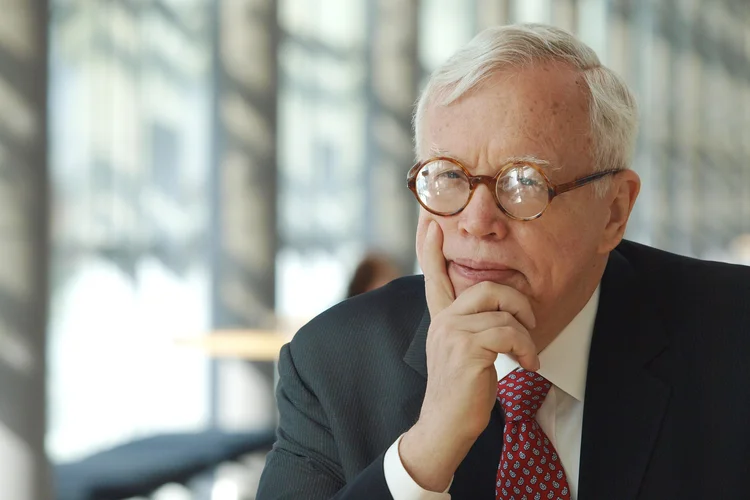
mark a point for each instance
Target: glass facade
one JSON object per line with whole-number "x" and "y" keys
{"x": 130, "y": 85}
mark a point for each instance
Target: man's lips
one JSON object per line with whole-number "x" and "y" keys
{"x": 478, "y": 271}
{"x": 480, "y": 265}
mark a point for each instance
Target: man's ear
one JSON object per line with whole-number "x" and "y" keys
{"x": 624, "y": 190}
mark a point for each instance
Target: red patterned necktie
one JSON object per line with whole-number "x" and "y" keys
{"x": 529, "y": 467}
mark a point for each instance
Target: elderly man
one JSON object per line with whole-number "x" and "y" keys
{"x": 541, "y": 356}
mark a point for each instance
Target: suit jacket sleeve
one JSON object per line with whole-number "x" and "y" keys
{"x": 304, "y": 461}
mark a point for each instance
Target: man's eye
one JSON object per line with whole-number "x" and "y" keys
{"x": 526, "y": 181}
{"x": 451, "y": 174}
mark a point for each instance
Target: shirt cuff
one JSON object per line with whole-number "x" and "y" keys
{"x": 400, "y": 483}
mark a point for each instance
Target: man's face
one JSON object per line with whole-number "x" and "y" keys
{"x": 539, "y": 112}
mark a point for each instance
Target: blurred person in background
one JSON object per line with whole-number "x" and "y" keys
{"x": 541, "y": 355}
{"x": 373, "y": 271}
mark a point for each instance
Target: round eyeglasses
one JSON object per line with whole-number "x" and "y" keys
{"x": 521, "y": 189}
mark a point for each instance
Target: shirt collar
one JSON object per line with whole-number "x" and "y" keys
{"x": 564, "y": 362}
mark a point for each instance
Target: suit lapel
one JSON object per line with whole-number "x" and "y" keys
{"x": 624, "y": 403}
{"x": 416, "y": 354}
{"x": 416, "y": 358}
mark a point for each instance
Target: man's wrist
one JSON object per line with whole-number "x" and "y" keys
{"x": 430, "y": 457}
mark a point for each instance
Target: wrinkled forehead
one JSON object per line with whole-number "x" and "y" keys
{"x": 529, "y": 113}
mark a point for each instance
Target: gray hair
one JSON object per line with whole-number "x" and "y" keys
{"x": 612, "y": 107}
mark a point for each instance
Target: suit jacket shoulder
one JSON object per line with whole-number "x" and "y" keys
{"x": 687, "y": 290}
{"x": 363, "y": 330}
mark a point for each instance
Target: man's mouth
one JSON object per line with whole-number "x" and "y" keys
{"x": 478, "y": 271}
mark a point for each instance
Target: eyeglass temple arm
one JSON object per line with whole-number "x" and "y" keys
{"x": 569, "y": 186}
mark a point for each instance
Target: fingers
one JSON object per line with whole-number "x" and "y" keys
{"x": 488, "y": 296}
{"x": 510, "y": 341}
{"x": 499, "y": 332}
{"x": 474, "y": 323}
{"x": 438, "y": 286}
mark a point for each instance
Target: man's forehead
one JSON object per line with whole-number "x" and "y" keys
{"x": 532, "y": 111}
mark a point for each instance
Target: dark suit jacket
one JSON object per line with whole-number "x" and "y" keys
{"x": 666, "y": 411}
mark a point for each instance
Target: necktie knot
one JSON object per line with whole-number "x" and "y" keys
{"x": 521, "y": 393}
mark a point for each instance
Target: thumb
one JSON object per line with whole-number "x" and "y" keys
{"x": 437, "y": 284}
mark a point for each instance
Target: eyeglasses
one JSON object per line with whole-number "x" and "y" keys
{"x": 521, "y": 189}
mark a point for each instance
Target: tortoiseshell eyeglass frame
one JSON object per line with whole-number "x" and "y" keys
{"x": 491, "y": 183}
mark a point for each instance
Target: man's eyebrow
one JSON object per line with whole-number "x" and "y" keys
{"x": 528, "y": 159}
{"x": 435, "y": 151}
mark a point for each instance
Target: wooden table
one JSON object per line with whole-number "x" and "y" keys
{"x": 252, "y": 345}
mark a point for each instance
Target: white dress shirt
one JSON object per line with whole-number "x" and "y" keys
{"x": 564, "y": 363}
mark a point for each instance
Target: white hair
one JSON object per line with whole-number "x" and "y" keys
{"x": 612, "y": 107}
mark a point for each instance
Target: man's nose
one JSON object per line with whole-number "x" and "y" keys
{"x": 482, "y": 218}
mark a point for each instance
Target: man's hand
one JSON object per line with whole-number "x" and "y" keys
{"x": 465, "y": 336}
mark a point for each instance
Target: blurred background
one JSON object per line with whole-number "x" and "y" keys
{"x": 185, "y": 182}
